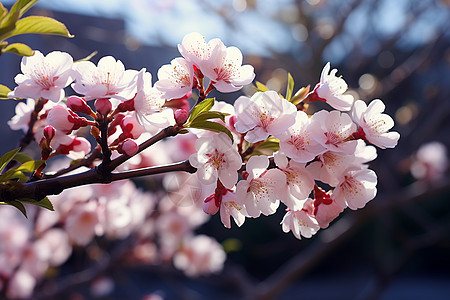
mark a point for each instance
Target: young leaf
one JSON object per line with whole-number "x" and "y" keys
{"x": 3, "y": 11}
{"x": 213, "y": 126}
{"x": 17, "y": 173}
{"x": 87, "y": 58}
{"x": 45, "y": 203}
{"x": 19, "y": 49}
{"x": 25, "y": 5}
{"x": 260, "y": 87}
{"x": 17, "y": 205}
{"x": 205, "y": 105}
{"x": 205, "y": 115}
{"x": 4, "y": 90}
{"x": 41, "y": 25}
{"x": 290, "y": 87}
{"x": 300, "y": 95}
{"x": 6, "y": 158}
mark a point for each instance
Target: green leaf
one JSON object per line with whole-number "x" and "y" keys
{"x": 4, "y": 90}
{"x": 25, "y": 5}
{"x": 45, "y": 203}
{"x": 22, "y": 157}
{"x": 205, "y": 105}
{"x": 19, "y": 49}
{"x": 3, "y": 12}
{"x": 6, "y": 158}
{"x": 17, "y": 173}
{"x": 205, "y": 115}
{"x": 271, "y": 143}
{"x": 213, "y": 126}
{"x": 87, "y": 58}
{"x": 260, "y": 87}
{"x": 17, "y": 205}
{"x": 290, "y": 87}
{"x": 40, "y": 25}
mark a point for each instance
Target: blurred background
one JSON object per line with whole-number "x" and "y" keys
{"x": 398, "y": 246}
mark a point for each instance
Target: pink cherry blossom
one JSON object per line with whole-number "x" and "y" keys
{"x": 356, "y": 188}
{"x": 195, "y": 49}
{"x": 128, "y": 147}
{"x": 333, "y": 130}
{"x": 300, "y": 223}
{"x": 331, "y": 89}
{"x": 148, "y": 104}
{"x": 21, "y": 285}
{"x": 375, "y": 124}
{"x": 430, "y": 162}
{"x": 216, "y": 158}
{"x": 262, "y": 115}
{"x": 80, "y": 223}
{"x": 200, "y": 255}
{"x": 65, "y": 120}
{"x": 74, "y": 146}
{"x": 297, "y": 142}
{"x": 225, "y": 69}
{"x": 108, "y": 79}
{"x": 260, "y": 191}
{"x": 232, "y": 207}
{"x": 131, "y": 127}
{"x": 44, "y": 77}
{"x": 175, "y": 80}
{"x": 22, "y": 117}
{"x": 324, "y": 208}
{"x": 299, "y": 182}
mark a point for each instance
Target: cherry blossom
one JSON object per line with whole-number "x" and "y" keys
{"x": 195, "y": 49}
{"x": 356, "y": 188}
{"x": 300, "y": 223}
{"x": 44, "y": 76}
{"x": 175, "y": 80}
{"x": 264, "y": 114}
{"x": 331, "y": 165}
{"x": 148, "y": 104}
{"x": 232, "y": 207}
{"x": 216, "y": 159}
{"x": 323, "y": 207}
{"x": 299, "y": 182}
{"x": 331, "y": 89}
{"x": 108, "y": 79}
{"x": 80, "y": 223}
{"x": 297, "y": 141}
{"x": 225, "y": 69}
{"x": 333, "y": 130}
{"x": 430, "y": 162}
{"x": 375, "y": 124}
{"x": 200, "y": 255}
{"x": 65, "y": 120}
{"x": 260, "y": 191}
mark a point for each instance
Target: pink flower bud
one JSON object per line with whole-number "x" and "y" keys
{"x": 181, "y": 116}
{"x": 65, "y": 120}
{"x": 49, "y": 133}
{"x": 78, "y": 104}
{"x": 210, "y": 206}
{"x": 128, "y": 147}
{"x": 131, "y": 127}
{"x": 103, "y": 106}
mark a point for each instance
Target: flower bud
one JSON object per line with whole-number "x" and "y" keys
{"x": 181, "y": 116}
{"x": 210, "y": 206}
{"x": 49, "y": 133}
{"x": 131, "y": 127}
{"x": 78, "y": 104}
{"x": 128, "y": 147}
{"x": 103, "y": 106}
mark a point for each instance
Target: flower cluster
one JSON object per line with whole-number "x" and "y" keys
{"x": 250, "y": 157}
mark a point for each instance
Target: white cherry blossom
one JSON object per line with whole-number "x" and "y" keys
{"x": 334, "y": 130}
{"x": 297, "y": 141}
{"x": 108, "y": 79}
{"x": 375, "y": 124}
{"x": 175, "y": 80}
{"x": 356, "y": 188}
{"x": 331, "y": 90}
{"x": 225, "y": 69}
{"x": 232, "y": 207}
{"x": 262, "y": 115}
{"x": 260, "y": 191}
{"x": 148, "y": 104}
{"x": 301, "y": 223}
{"x": 195, "y": 49}
{"x": 299, "y": 182}
{"x": 216, "y": 158}
{"x": 44, "y": 76}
